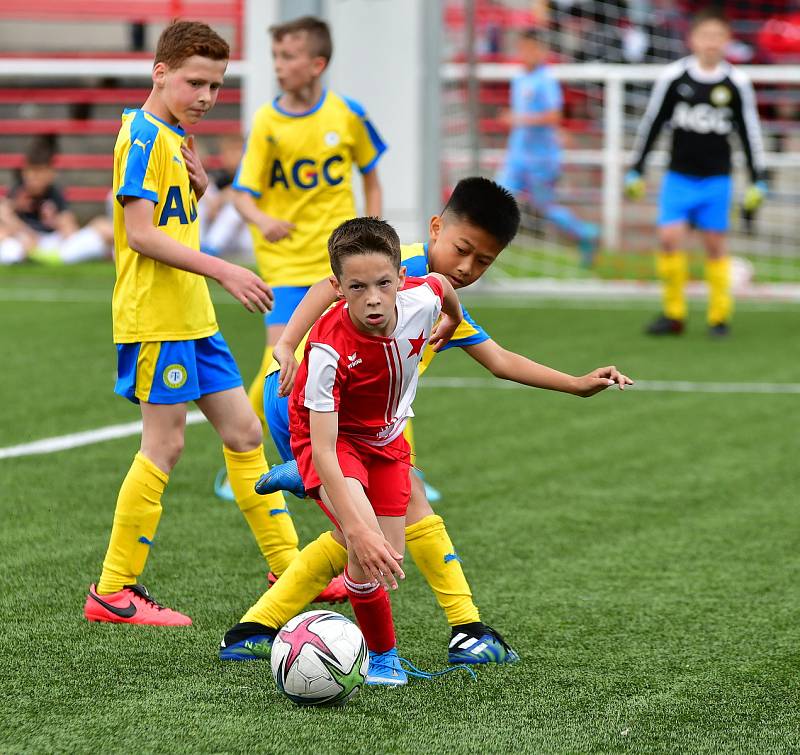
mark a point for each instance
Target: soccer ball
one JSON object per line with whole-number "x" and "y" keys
{"x": 319, "y": 658}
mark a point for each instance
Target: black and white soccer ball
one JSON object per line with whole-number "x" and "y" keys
{"x": 319, "y": 658}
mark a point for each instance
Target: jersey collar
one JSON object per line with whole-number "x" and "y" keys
{"x": 703, "y": 76}
{"x": 177, "y": 129}
{"x": 312, "y": 110}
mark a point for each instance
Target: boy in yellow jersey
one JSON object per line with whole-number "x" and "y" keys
{"x": 294, "y": 184}
{"x": 170, "y": 350}
{"x": 479, "y": 220}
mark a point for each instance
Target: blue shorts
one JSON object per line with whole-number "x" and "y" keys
{"x": 286, "y": 300}
{"x": 702, "y": 202}
{"x": 173, "y": 372}
{"x": 535, "y": 182}
{"x": 276, "y": 412}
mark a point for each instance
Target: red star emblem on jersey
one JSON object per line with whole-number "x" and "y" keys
{"x": 416, "y": 344}
{"x": 301, "y": 636}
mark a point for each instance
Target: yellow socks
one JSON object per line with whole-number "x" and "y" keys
{"x": 433, "y": 553}
{"x": 673, "y": 269}
{"x": 267, "y": 515}
{"x": 256, "y": 390}
{"x": 720, "y": 301}
{"x": 135, "y": 522}
{"x": 307, "y": 576}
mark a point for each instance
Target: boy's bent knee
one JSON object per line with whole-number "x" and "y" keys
{"x": 246, "y": 437}
{"x": 166, "y": 453}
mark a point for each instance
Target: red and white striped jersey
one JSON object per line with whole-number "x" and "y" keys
{"x": 369, "y": 380}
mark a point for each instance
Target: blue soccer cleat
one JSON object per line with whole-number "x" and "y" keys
{"x": 389, "y": 670}
{"x": 249, "y": 641}
{"x": 284, "y": 476}
{"x": 431, "y": 493}
{"x": 486, "y": 646}
{"x": 587, "y": 244}
{"x": 222, "y": 486}
{"x": 385, "y": 669}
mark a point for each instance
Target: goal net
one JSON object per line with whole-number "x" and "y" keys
{"x": 607, "y": 56}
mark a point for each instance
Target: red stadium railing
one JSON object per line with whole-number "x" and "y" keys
{"x": 79, "y": 95}
{"x": 142, "y": 11}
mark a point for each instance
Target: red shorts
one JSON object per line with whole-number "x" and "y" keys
{"x": 384, "y": 471}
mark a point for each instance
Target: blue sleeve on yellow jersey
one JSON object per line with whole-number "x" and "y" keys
{"x": 143, "y": 136}
{"x": 251, "y": 175}
{"x": 417, "y": 266}
{"x": 468, "y": 333}
{"x": 378, "y": 146}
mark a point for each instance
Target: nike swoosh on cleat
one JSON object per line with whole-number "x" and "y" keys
{"x": 123, "y": 613}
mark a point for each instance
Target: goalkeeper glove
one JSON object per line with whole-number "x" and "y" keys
{"x": 754, "y": 196}
{"x": 634, "y": 185}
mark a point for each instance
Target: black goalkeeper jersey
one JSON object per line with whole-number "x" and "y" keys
{"x": 702, "y": 108}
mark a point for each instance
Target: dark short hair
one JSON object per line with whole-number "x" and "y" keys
{"x": 183, "y": 39}
{"x": 487, "y": 205}
{"x": 320, "y": 44}
{"x": 363, "y": 236}
{"x": 535, "y": 34}
{"x": 41, "y": 151}
{"x": 711, "y": 13}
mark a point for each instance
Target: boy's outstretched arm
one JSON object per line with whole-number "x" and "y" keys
{"x": 377, "y": 557}
{"x": 509, "y": 365}
{"x": 243, "y": 284}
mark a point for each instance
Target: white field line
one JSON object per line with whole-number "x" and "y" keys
{"x": 113, "y": 432}
{"x": 547, "y": 295}
{"x": 85, "y": 438}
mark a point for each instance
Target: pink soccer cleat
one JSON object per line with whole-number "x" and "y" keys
{"x": 334, "y": 593}
{"x": 131, "y": 605}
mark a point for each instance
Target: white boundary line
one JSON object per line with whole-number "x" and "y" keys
{"x": 114, "y": 432}
{"x": 489, "y": 297}
{"x": 85, "y": 438}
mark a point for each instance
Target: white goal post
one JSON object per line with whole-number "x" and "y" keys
{"x": 617, "y": 118}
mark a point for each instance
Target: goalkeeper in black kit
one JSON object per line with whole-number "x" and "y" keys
{"x": 704, "y": 99}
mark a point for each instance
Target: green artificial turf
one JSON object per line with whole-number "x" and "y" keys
{"x": 639, "y": 549}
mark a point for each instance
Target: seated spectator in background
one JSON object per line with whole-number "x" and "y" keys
{"x": 36, "y": 222}
{"x": 222, "y": 230}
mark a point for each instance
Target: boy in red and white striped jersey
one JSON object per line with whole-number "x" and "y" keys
{"x": 348, "y": 408}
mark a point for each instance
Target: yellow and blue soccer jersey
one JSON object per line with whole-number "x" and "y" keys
{"x": 299, "y": 167}
{"x": 153, "y": 301}
{"x": 468, "y": 333}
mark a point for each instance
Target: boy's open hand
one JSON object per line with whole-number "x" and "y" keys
{"x": 378, "y": 559}
{"x": 600, "y": 379}
{"x": 284, "y": 356}
{"x": 443, "y": 331}
{"x": 274, "y": 229}
{"x": 197, "y": 173}
{"x": 246, "y": 287}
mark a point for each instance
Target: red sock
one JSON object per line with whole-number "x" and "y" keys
{"x": 373, "y": 612}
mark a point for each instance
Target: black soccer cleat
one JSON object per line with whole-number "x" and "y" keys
{"x": 719, "y": 330}
{"x": 478, "y": 643}
{"x": 665, "y": 326}
{"x": 248, "y": 641}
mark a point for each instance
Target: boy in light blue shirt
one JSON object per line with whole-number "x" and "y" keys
{"x": 533, "y": 161}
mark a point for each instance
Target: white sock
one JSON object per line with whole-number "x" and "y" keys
{"x": 11, "y": 251}
{"x": 86, "y": 244}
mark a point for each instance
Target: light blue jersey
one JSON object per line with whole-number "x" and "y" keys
{"x": 532, "y": 93}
